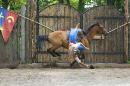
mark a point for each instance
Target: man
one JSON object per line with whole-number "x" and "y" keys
{"x": 74, "y": 53}
{"x": 76, "y": 47}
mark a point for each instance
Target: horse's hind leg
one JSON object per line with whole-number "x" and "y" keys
{"x": 54, "y": 48}
{"x": 56, "y": 53}
{"x": 52, "y": 53}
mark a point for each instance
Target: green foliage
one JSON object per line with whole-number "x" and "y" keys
{"x": 74, "y": 3}
{"x": 100, "y": 2}
{"x": 0, "y": 2}
{"x": 128, "y": 61}
{"x": 14, "y": 4}
{"x": 81, "y": 6}
{"x": 119, "y": 4}
{"x": 44, "y": 3}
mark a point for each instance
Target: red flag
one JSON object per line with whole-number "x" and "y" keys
{"x": 8, "y": 25}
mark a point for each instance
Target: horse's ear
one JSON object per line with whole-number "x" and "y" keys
{"x": 78, "y": 25}
{"x": 84, "y": 32}
{"x": 97, "y": 23}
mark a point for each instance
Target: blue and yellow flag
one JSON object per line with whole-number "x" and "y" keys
{"x": 7, "y": 22}
{"x": 3, "y": 13}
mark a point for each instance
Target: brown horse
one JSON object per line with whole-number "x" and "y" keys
{"x": 60, "y": 38}
{"x": 89, "y": 35}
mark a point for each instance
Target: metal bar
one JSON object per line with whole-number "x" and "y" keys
{"x": 103, "y": 17}
{"x": 81, "y": 20}
{"x": 54, "y": 16}
{"x": 37, "y": 18}
{"x": 109, "y": 53}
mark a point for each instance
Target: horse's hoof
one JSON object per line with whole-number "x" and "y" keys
{"x": 53, "y": 54}
{"x": 91, "y": 67}
{"x": 57, "y": 54}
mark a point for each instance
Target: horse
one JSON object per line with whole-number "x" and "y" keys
{"x": 86, "y": 40}
{"x": 60, "y": 38}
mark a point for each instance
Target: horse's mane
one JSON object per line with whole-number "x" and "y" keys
{"x": 89, "y": 29}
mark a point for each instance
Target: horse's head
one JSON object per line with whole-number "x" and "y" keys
{"x": 99, "y": 28}
{"x": 95, "y": 29}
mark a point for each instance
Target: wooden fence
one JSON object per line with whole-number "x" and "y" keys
{"x": 56, "y": 17}
{"x": 110, "y": 49}
{"x": 9, "y": 52}
{"x": 23, "y": 45}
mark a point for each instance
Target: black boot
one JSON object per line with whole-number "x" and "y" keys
{"x": 71, "y": 64}
{"x": 91, "y": 67}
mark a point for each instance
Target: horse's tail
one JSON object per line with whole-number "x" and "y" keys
{"x": 78, "y": 25}
{"x": 45, "y": 37}
{"x": 42, "y": 38}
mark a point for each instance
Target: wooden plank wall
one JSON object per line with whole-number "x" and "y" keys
{"x": 108, "y": 50}
{"x": 129, "y": 35}
{"x": 9, "y": 52}
{"x": 56, "y": 17}
{"x": 111, "y": 48}
{"x": 30, "y": 31}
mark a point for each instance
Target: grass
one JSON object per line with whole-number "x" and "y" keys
{"x": 128, "y": 61}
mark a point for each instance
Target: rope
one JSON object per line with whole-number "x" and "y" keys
{"x": 53, "y": 30}
{"x": 118, "y": 27}
{"x": 35, "y": 22}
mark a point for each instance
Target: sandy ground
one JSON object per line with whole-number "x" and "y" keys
{"x": 65, "y": 77}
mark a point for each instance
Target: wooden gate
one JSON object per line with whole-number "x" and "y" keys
{"x": 107, "y": 50}
{"x": 56, "y": 17}
{"x": 111, "y": 48}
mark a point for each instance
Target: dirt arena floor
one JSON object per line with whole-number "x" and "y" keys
{"x": 65, "y": 77}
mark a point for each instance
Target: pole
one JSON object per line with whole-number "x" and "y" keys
{"x": 37, "y": 18}
{"x": 126, "y": 31}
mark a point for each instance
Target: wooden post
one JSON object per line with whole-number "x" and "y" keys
{"x": 129, "y": 33}
{"x": 22, "y": 41}
{"x": 126, "y": 31}
{"x": 37, "y": 18}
